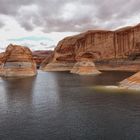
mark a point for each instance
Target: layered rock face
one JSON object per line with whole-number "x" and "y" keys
{"x": 98, "y": 46}
{"x": 2, "y": 58}
{"x": 132, "y": 82}
{"x": 85, "y": 68}
{"x": 17, "y": 61}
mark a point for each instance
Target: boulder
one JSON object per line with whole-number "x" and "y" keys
{"x": 17, "y": 61}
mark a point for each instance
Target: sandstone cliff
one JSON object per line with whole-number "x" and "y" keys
{"x": 97, "y": 45}
{"x": 1, "y": 58}
{"x": 17, "y": 61}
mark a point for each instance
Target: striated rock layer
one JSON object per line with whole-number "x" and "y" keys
{"x": 99, "y": 46}
{"x": 2, "y": 57}
{"x": 58, "y": 67}
{"x": 85, "y": 68}
{"x": 132, "y": 82}
{"x": 17, "y": 61}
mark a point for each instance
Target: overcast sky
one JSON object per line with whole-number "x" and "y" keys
{"x": 40, "y": 24}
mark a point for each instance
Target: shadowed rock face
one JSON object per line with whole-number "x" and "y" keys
{"x": 40, "y": 55}
{"x": 98, "y": 45}
{"x": 17, "y": 61}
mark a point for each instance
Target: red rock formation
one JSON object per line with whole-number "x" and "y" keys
{"x": 92, "y": 44}
{"x": 1, "y": 58}
{"x": 97, "y": 45}
{"x": 18, "y": 61}
{"x": 85, "y": 68}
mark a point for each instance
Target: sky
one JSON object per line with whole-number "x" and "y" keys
{"x": 40, "y": 24}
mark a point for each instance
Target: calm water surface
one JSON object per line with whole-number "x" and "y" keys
{"x": 63, "y": 106}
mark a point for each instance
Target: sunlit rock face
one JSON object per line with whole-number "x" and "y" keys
{"x": 132, "y": 82}
{"x": 1, "y": 58}
{"x": 18, "y": 61}
{"x": 85, "y": 68}
{"x": 97, "y": 45}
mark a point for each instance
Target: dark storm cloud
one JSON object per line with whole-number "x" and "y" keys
{"x": 70, "y": 15}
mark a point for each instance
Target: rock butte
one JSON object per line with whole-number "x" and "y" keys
{"x": 17, "y": 61}
{"x": 85, "y": 68}
{"x": 109, "y": 50}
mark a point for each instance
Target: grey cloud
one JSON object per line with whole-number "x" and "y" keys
{"x": 1, "y": 24}
{"x": 70, "y": 15}
{"x": 27, "y": 25}
{"x": 10, "y": 7}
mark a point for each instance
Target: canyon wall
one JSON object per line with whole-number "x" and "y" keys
{"x": 96, "y": 45}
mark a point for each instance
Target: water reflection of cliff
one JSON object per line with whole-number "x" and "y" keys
{"x": 19, "y": 91}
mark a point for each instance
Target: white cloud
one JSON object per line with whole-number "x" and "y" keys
{"x": 59, "y": 18}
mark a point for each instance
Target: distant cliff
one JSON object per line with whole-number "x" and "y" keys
{"x": 40, "y": 55}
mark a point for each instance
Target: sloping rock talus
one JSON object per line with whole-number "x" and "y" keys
{"x": 97, "y": 45}
{"x": 132, "y": 82}
{"x": 17, "y": 61}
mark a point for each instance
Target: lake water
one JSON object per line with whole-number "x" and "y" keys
{"x": 63, "y": 106}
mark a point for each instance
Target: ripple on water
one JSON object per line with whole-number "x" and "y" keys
{"x": 65, "y": 106}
